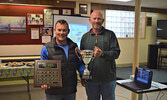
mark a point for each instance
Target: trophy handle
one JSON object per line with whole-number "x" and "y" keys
{"x": 77, "y": 51}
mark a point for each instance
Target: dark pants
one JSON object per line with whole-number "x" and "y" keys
{"x": 61, "y": 97}
{"x": 105, "y": 89}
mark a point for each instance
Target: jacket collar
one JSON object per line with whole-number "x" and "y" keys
{"x": 69, "y": 41}
{"x": 92, "y": 33}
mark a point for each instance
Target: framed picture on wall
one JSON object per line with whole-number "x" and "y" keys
{"x": 47, "y": 31}
{"x": 34, "y": 33}
{"x": 46, "y": 39}
{"x": 66, "y": 12}
{"x": 34, "y": 19}
{"x": 83, "y": 8}
{"x": 12, "y": 25}
{"x": 48, "y": 17}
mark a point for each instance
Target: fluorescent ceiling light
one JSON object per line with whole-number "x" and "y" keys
{"x": 120, "y": 0}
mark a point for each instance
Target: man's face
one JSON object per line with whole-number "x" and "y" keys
{"x": 96, "y": 20}
{"x": 61, "y": 32}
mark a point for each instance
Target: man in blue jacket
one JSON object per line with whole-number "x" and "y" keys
{"x": 62, "y": 48}
{"x": 103, "y": 66}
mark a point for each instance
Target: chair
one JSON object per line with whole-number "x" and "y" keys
{"x": 162, "y": 59}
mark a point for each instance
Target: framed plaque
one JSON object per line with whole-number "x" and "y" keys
{"x": 83, "y": 8}
{"x": 47, "y": 72}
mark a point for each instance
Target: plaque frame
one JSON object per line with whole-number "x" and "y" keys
{"x": 47, "y": 73}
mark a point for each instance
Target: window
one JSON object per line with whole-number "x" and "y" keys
{"x": 121, "y": 22}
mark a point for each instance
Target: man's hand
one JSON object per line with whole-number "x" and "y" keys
{"x": 97, "y": 51}
{"x": 45, "y": 87}
{"x": 83, "y": 82}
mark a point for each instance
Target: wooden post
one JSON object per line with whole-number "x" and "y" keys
{"x": 136, "y": 41}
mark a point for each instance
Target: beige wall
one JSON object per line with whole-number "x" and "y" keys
{"x": 126, "y": 45}
{"x": 13, "y": 50}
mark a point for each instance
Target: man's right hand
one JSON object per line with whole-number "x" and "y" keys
{"x": 83, "y": 82}
{"x": 45, "y": 87}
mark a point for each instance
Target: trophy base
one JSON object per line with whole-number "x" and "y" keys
{"x": 86, "y": 77}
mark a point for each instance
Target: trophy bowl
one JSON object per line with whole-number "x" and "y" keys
{"x": 86, "y": 56}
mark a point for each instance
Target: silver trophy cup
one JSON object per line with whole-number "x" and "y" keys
{"x": 86, "y": 56}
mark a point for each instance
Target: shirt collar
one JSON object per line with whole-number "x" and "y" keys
{"x": 91, "y": 31}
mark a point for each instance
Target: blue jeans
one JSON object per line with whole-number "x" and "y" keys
{"x": 96, "y": 89}
{"x": 61, "y": 97}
